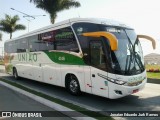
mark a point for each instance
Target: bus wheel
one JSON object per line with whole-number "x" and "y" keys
{"x": 73, "y": 85}
{"x": 15, "y": 74}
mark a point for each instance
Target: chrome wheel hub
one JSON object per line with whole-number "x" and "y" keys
{"x": 73, "y": 85}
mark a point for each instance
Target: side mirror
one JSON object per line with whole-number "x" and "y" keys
{"x": 112, "y": 38}
{"x": 148, "y": 38}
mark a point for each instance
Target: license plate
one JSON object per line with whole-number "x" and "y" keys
{"x": 135, "y": 91}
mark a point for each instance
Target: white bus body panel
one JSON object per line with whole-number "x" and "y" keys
{"x": 98, "y": 84}
{"x": 87, "y": 77}
{"x": 125, "y": 89}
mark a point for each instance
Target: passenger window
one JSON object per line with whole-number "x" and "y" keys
{"x": 33, "y": 43}
{"x": 37, "y": 44}
{"x": 10, "y": 47}
{"x": 23, "y": 45}
{"x": 6, "y": 47}
{"x": 65, "y": 40}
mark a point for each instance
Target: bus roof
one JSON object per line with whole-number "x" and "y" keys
{"x": 71, "y": 21}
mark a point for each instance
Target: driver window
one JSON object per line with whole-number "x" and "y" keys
{"x": 97, "y": 55}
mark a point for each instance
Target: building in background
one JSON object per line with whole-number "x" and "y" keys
{"x": 152, "y": 58}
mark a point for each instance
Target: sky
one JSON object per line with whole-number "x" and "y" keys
{"x": 142, "y": 15}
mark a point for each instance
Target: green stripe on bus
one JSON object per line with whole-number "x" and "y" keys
{"x": 65, "y": 58}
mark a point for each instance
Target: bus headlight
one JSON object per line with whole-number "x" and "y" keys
{"x": 119, "y": 82}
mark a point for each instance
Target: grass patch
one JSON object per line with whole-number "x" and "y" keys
{"x": 84, "y": 111}
{"x": 152, "y": 74}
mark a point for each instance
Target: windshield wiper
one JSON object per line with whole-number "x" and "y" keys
{"x": 132, "y": 56}
{"x": 137, "y": 57}
{"x": 128, "y": 60}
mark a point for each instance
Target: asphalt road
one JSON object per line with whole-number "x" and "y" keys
{"x": 13, "y": 101}
{"x": 146, "y": 100}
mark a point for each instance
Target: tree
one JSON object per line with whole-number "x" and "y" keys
{"x": 54, "y": 6}
{"x": 9, "y": 24}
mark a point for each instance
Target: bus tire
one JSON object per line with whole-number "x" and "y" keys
{"x": 73, "y": 85}
{"x": 15, "y": 74}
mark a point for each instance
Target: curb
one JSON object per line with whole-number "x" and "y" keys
{"x": 152, "y": 80}
{"x": 48, "y": 103}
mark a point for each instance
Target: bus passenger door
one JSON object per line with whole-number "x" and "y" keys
{"x": 98, "y": 69}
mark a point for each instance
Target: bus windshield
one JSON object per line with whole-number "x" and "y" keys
{"x": 128, "y": 59}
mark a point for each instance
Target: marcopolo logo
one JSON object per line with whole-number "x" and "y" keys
{"x": 27, "y": 57}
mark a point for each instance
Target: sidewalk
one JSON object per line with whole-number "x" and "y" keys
{"x": 153, "y": 80}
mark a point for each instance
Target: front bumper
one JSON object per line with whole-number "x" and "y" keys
{"x": 118, "y": 91}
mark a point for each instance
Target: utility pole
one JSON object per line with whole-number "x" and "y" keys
{"x": 27, "y": 16}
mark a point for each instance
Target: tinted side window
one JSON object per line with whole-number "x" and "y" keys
{"x": 83, "y": 28}
{"x": 60, "y": 39}
{"x": 65, "y": 40}
{"x": 37, "y": 43}
{"x": 22, "y": 45}
{"x": 33, "y": 43}
{"x": 17, "y": 45}
{"x": 10, "y": 47}
{"x": 46, "y": 46}
{"x": 14, "y": 47}
{"x": 80, "y": 28}
{"x": 6, "y": 47}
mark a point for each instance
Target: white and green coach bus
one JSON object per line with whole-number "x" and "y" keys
{"x": 96, "y": 56}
